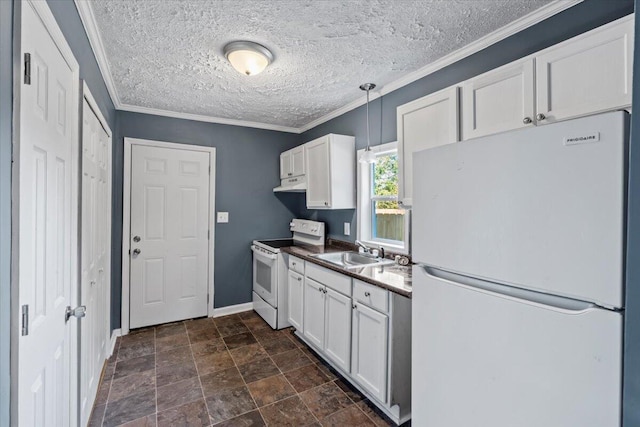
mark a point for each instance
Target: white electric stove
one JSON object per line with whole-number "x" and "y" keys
{"x": 270, "y": 270}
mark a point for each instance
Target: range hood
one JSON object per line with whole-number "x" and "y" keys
{"x": 297, "y": 184}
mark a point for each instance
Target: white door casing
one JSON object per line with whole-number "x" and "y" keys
{"x": 170, "y": 217}
{"x": 95, "y": 251}
{"x": 46, "y": 223}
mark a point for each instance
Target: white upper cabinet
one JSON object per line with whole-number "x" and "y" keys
{"x": 292, "y": 162}
{"x": 500, "y": 100}
{"x": 587, "y": 74}
{"x": 297, "y": 161}
{"x": 424, "y": 123}
{"x": 330, "y": 166}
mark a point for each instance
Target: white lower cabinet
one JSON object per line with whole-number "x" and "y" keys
{"x": 362, "y": 330}
{"x": 327, "y": 321}
{"x": 296, "y": 299}
{"x": 313, "y": 323}
{"x": 370, "y": 340}
{"x": 337, "y": 331}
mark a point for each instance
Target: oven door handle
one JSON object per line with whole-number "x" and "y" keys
{"x": 261, "y": 254}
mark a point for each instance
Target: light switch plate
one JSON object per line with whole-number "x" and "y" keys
{"x": 347, "y": 228}
{"x": 223, "y": 217}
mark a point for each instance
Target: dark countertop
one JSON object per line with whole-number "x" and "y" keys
{"x": 393, "y": 277}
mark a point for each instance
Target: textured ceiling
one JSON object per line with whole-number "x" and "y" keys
{"x": 168, "y": 54}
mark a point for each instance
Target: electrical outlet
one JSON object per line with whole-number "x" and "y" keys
{"x": 223, "y": 217}
{"x": 347, "y": 228}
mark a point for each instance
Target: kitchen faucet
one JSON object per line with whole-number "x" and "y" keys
{"x": 363, "y": 246}
{"x": 368, "y": 249}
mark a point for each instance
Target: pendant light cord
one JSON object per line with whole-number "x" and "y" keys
{"x": 368, "y": 135}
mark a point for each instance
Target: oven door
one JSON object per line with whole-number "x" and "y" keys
{"x": 265, "y": 275}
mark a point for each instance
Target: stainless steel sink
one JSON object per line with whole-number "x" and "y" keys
{"x": 351, "y": 259}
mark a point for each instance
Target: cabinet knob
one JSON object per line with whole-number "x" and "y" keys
{"x": 355, "y": 307}
{"x": 326, "y": 203}
{"x": 527, "y": 120}
{"x": 540, "y": 117}
{"x": 367, "y": 294}
{"x": 299, "y": 279}
{"x": 289, "y": 173}
{"x": 320, "y": 289}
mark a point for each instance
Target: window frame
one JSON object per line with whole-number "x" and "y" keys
{"x": 365, "y": 204}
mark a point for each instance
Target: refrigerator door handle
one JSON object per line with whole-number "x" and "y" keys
{"x": 539, "y": 299}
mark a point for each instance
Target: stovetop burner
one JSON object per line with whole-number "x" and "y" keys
{"x": 277, "y": 243}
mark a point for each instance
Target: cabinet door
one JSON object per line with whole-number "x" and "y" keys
{"x": 500, "y": 100}
{"x": 295, "y": 299}
{"x": 369, "y": 347}
{"x": 313, "y": 323}
{"x": 297, "y": 161}
{"x": 587, "y": 74}
{"x": 318, "y": 174}
{"x": 338, "y": 329}
{"x": 285, "y": 165}
{"x": 424, "y": 123}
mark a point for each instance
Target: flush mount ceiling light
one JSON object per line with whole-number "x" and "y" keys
{"x": 248, "y": 58}
{"x": 368, "y": 156}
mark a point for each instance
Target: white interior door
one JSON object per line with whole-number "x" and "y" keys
{"x": 47, "y": 221}
{"x": 169, "y": 234}
{"x": 95, "y": 261}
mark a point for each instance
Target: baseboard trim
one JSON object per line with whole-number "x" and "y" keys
{"x": 232, "y": 309}
{"x": 114, "y": 337}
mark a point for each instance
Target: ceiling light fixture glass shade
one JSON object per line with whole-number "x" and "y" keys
{"x": 248, "y": 58}
{"x": 368, "y": 156}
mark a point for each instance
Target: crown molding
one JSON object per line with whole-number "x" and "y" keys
{"x": 95, "y": 40}
{"x": 539, "y": 15}
{"x": 508, "y": 30}
{"x": 208, "y": 119}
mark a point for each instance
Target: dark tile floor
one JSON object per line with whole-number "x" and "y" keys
{"x": 229, "y": 371}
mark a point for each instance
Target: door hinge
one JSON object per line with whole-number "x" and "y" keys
{"x": 25, "y": 320}
{"x": 27, "y": 68}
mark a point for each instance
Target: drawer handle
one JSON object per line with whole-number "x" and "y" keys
{"x": 367, "y": 294}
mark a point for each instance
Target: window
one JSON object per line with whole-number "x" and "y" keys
{"x": 382, "y": 221}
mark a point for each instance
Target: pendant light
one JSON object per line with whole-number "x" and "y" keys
{"x": 368, "y": 156}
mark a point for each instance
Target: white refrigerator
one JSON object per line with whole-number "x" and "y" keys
{"x": 518, "y": 288}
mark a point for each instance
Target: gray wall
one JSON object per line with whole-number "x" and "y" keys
{"x": 631, "y": 369}
{"x": 576, "y": 20}
{"x": 247, "y": 169}
{"x": 6, "y": 99}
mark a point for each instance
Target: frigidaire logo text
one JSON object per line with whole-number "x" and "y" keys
{"x": 584, "y": 139}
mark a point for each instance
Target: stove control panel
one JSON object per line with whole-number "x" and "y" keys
{"x": 308, "y": 227}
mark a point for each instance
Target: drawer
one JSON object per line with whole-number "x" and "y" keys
{"x": 371, "y": 295}
{"x": 296, "y": 264}
{"x": 332, "y": 279}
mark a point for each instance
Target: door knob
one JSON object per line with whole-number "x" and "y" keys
{"x": 77, "y": 312}
{"x": 136, "y": 239}
{"x": 136, "y": 251}
{"x": 540, "y": 117}
{"x": 527, "y": 120}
